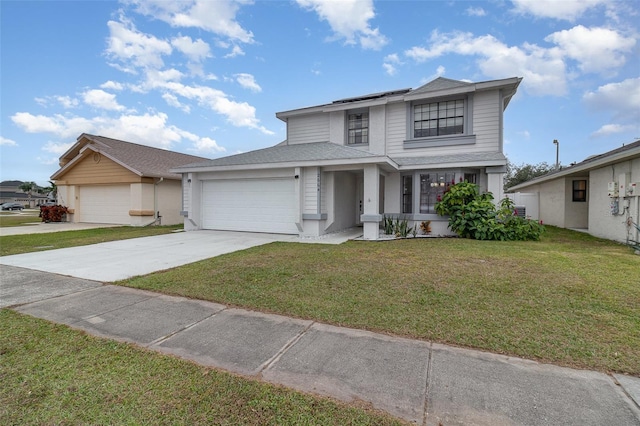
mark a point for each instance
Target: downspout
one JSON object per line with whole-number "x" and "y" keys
{"x": 157, "y": 218}
{"x": 155, "y": 201}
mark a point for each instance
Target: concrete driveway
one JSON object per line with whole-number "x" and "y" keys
{"x": 118, "y": 260}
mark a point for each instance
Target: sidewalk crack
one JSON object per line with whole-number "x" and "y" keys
{"x": 271, "y": 361}
{"x": 159, "y": 340}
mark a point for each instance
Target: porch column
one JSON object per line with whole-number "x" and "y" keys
{"x": 371, "y": 216}
{"x": 495, "y": 178}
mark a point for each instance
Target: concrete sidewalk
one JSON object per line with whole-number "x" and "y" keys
{"x": 422, "y": 382}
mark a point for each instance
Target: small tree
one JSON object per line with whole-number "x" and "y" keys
{"x": 519, "y": 174}
{"x": 474, "y": 215}
{"x": 28, "y": 187}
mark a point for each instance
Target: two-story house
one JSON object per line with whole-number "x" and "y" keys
{"x": 349, "y": 162}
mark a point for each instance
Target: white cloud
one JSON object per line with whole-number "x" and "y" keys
{"x": 543, "y": 69}
{"x": 595, "y": 49}
{"x": 621, "y": 100}
{"x": 133, "y": 48}
{"x": 7, "y": 142}
{"x": 174, "y": 102}
{"x": 98, "y": 98}
{"x": 612, "y": 129}
{"x": 564, "y": 10}
{"x": 67, "y": 101}
{"x": 349, "y": 19}
{"x": 208, "y": 145}
{"x": 390, "y": 63}
{"x": 235, "y": 51}
{"x": 476, "y": 11}
{"x": 196, "y": 51}
{"x": 218, "y": 17}
{"x": 248, "y": 81}
{"x": 57, "y": 148}
{"x": 112, "y": 85}
{"x": 239, "y": 114}
{"x": 147, "y": 129}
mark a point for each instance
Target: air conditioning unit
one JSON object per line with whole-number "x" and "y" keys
{"x": 521, "y": 211}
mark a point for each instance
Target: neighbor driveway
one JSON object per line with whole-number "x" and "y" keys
{"x": 118, "y": 260}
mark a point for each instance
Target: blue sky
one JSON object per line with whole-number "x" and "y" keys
{"x": 207, "y": 77}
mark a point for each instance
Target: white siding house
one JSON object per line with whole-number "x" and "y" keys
{"x": 351, "y": 161}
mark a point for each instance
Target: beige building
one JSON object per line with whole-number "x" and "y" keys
{"x": 104, "y": 180}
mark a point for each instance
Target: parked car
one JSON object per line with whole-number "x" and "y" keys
{"x": 12, "y": 206}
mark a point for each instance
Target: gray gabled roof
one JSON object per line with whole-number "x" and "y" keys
{"x": 145, "y": 161}
{"x": 441, "y": 83}
{"x": 298, "y": 153}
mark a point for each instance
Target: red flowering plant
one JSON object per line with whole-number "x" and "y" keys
{"x": 53, "y": 213}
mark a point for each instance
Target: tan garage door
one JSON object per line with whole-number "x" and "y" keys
{"x": 105, "y": 204}
{"x": 256, "y": 205}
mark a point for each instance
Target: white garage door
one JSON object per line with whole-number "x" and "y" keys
{"x": 256, "y": 205}
{"x": 105, "y": 204}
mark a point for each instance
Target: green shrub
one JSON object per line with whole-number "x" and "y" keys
{"x": 474, "y": 215}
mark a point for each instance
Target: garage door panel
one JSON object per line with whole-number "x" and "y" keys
{"x": 257, "y": 205}
{"x": 105, "y": 204}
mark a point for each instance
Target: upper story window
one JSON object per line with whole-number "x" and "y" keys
{"x": 358, "y": 128}
{"x": 438, "y": 118}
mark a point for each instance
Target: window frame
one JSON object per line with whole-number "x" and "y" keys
{"x": 465, "y": 138}
{"x": 348, "y": 114}
{"x": 579, "y": 195}
{"x": 416, "y": 193}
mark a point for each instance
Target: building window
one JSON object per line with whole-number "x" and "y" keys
{"x": 471, "y": 178}
{"x": 438, "y": 118}
{"x": 432, "y": 187}
{"x": 358, "y": 128}
{"x": 579, "y": 190}
{"x": 407, "y": 194}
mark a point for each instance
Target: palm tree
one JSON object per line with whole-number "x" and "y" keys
{"x": 51, "y": 191}
{"x": 28, "y": 187}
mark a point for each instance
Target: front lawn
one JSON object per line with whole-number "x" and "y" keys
{"x": 52, "y": 374}
{"x": 26, "y": 217}
{"x": 16, "y": 244}
{"x": 568, "y": 299}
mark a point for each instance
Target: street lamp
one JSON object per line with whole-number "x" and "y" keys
{"x": 557, "y": 144}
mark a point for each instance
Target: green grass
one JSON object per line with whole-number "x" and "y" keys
{"x": 52, "y": 374}
{"x": 16, "y": 244}
{"x": 9, "y": 219}
{"x": 568, "y": 299}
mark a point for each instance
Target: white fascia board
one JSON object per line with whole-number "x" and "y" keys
{"x": 605, "y": 161}
{"x": 455, "y": 165}
{"x": 497, "y": 84}
{"x": 283, "y": 115}
{"x": 290, "y": 164}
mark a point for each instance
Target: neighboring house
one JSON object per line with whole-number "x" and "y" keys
{"x": 350, "y": 162}
{"x": 601, "y": 194}
{"x": 104, "y": 180}
{"x": 10, "y": 192}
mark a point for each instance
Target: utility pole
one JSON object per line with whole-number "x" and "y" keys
{"x": 557, "y": 144}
